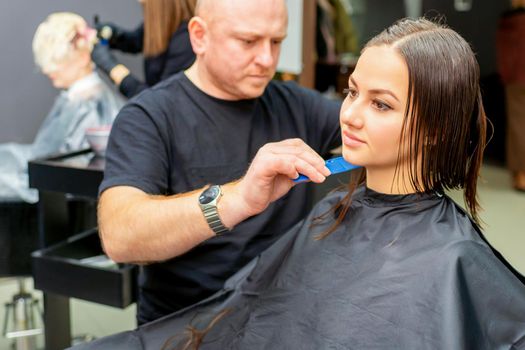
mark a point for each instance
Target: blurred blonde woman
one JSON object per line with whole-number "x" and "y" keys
{"x": 62, "y": 46}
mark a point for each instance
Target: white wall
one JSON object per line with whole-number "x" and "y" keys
{"x": 292, "y": 48}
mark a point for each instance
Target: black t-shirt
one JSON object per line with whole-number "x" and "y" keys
{"x": 174, "y": 138}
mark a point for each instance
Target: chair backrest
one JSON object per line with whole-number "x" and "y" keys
{"x": 18, "y": 237}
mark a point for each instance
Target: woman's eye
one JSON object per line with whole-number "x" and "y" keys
{"x": 351, "y": 93}
{"x": 381, "y": 105}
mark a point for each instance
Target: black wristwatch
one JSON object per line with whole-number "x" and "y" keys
{"x": 208, "y": 202}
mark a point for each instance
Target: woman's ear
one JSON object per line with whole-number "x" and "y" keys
{"x": 198, "y": 31}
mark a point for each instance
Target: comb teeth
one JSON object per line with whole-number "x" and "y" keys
{"x": 335, "y": 165}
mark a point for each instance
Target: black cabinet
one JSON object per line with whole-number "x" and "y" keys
{"x": 78, "y": 268}
{"x": 68, "y": 263}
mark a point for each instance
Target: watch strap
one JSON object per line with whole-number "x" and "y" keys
{"x": 214, "y": 221}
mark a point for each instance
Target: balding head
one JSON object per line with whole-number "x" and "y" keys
{"x": 203, "y": 5}
{"x": 237, "y": 44}
{"x": 211, "y": 9}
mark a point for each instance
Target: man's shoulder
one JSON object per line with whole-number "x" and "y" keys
{"x": 284, "y": 88}
{"x": 169, "y": 89}
{"x": 153, "y": 103}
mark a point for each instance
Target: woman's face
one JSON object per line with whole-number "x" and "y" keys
{"x": 373, "y": 111}
{"x": 66, "y": 72}
{"x": 69, "y": 71}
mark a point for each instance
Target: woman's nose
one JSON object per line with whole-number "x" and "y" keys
{"x": 352, "y": 114}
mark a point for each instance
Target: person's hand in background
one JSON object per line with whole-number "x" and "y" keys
{"x": 106, "y": 61}
{"x": 103, "y": 58}
{"x": 107, "y": 32}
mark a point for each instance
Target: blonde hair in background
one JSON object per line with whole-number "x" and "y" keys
{"x": 57, "y": 40}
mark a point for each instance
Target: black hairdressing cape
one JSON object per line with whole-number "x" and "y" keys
{"x": 401, "y": 272}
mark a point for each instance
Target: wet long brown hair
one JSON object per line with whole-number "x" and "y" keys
{"x": 193, "y": 336}
{"x": 444, "y": 113}
{"x": 162, "y": 18}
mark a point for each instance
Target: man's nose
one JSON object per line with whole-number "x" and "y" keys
{"x": 265, "y": 55}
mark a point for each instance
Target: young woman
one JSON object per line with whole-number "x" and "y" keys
{"x": 163, "y": 39}
{"x": 391, "y": 262}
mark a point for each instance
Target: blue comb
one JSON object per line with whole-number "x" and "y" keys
{"x": 335, "y": 165}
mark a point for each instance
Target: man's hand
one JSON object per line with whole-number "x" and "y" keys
{"x": 136, "y": 226}
{"x": 270, "y": 175}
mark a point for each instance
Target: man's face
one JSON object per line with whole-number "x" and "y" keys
{"x": 243, "y": 47}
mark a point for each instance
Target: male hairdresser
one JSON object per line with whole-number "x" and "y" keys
{"x": 197, "y": 165}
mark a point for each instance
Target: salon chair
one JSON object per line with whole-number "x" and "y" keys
{"x": 19, "y": 237}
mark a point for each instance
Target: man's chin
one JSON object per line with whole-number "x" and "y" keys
{"x": 255, "y": 90}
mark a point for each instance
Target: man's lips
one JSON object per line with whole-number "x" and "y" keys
{"x": 259, "y": 76}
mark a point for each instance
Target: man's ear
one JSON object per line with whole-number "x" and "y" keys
{"x": 198, "y": 30}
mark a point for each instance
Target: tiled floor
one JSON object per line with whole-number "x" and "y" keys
{"x": 87, "y": 319}
{"x": 504, "y": 217}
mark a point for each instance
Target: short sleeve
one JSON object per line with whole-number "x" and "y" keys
{"x": 137, "y": 153}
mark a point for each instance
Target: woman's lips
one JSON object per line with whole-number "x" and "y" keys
{"x": 351, "y": 140}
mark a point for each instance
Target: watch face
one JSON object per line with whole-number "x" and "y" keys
{"x": 209, "y": 195}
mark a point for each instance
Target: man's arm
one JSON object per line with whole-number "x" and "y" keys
{"x": 141, "y": 228}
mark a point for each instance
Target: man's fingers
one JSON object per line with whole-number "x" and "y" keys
{"x": 306, "y": 168}
{"x": 301, "y": 151}
{"x": 292, "y": 165}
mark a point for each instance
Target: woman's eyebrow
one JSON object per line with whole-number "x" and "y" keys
{"x": 376, "y": 91}
{"x": 384, "y": 91}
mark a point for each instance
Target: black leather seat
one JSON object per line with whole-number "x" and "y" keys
{"x": 18, "y": 237}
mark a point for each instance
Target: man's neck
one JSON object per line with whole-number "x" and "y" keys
{"x": 198, "y": 75}
{"x": 193, "y": 75}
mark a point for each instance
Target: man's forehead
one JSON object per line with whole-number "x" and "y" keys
{"x": 229, "y": 9}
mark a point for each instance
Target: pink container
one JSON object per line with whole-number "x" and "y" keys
{"x": 97, "y": 138}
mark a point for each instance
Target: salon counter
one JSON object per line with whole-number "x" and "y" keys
{"x": 68, "y": 263}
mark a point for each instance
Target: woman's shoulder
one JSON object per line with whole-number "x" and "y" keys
{"x": 467, "y": 247}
